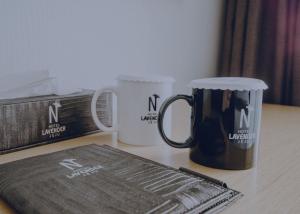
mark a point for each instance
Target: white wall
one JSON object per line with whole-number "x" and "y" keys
{"x": 87, "y": 43}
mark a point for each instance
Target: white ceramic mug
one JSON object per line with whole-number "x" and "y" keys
{"x": 138, "y": 101}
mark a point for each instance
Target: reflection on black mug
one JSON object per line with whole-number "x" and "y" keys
{"x": 225, "y": 121}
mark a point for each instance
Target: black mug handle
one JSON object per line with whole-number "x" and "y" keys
{"x": 161, "y": 115}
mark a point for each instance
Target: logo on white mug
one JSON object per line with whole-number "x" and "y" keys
{"x": 151, "y": 116}
{"x": 152, "y": 103}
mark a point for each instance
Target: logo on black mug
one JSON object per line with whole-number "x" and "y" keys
{"x": 244, "y": 135}
{"x": 244, "y": 117}
{"x": 151, "y": 116}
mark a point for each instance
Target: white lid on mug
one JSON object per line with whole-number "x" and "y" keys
{"x": 229, "y": 83}
{"x": 146, "y": 78}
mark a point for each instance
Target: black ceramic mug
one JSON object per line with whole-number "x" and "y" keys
{"x": 225, "y": 121}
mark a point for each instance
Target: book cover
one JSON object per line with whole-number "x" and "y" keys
{"x": 101, "y": 179}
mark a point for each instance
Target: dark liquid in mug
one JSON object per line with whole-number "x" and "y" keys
{"x": 225, "y": 128}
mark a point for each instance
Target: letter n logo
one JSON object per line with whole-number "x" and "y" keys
{"x": 70, "y": 164}
{"x": 153, "y": 103}
{"x": 245, "y": 118}
{"x": 53, "y": 112}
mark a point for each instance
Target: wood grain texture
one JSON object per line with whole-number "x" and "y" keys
{"x": 101, "y": 179}
{"x": 25, "y": 121}
{"x": 273, "y": 186}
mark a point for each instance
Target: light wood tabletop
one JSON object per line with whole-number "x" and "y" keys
{"x": 271, "y": 187}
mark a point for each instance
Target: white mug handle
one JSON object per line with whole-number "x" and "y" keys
{"x": 98, "y": 123}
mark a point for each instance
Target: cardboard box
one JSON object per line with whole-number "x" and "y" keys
{"x": 28, "y": 122}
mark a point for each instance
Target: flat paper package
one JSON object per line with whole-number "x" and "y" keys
{"x": 32, "y": 121}
{"x": 100, "y": 179}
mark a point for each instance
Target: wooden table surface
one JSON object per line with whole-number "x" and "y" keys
{"x": 272, "y": 187}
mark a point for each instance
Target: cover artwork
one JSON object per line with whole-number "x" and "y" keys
{"x": 101, "y": 179}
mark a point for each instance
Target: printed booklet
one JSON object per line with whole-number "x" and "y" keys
{"x": 101, "y": 179}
